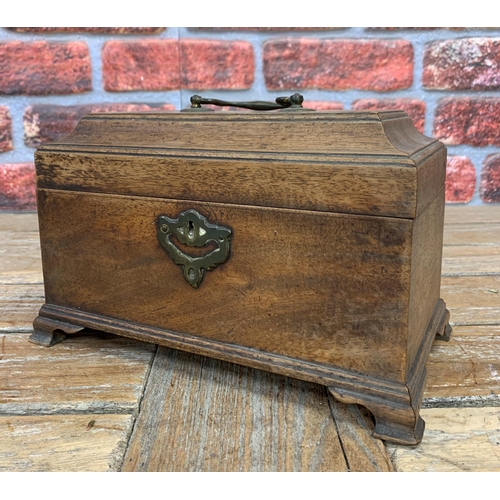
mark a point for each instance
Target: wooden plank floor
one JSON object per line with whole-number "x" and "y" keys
{"x": 97, "y": 402}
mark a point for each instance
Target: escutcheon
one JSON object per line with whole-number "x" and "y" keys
{"x": 192, "y": 229}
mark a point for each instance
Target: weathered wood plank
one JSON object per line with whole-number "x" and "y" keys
{"x": 85, "y": 373}
{"x": 13, "y": 237}
{"x": 21, "y": 222}
{"x": 63, "y": 443}
{"x": 455, "y": 439}
{"x": 459, "y": 214}
{"x": 472, "y": 300}
{"x": 19, "y": 305}
{"x": 363, "y": 452}
{"x": 475, "y": 331}
{"x": 208, "y": 415}
{"x": 471, "y": 260}
{"x": 472, "y": 234}
{"x": 464, "y": 371}
{"x": 20, "y": 259}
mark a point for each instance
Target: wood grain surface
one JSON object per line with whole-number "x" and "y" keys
{"x": 258, "y": 154}
{"x": 454, "y": 214}
{"x": 200, "y": 414}
{"x": 472, "y": 300}
{"x": 462, "y": 390}
{"x": 477, "y": 330}
{"x": 358, "y": 186}
{"x": 473, "y": 234}
{"x": 20, "y": 257}
{"x": 468, "y": 368}
{"x": 87, "y": 373}
{"x": 17, "y": 222}
{"x": 19, "y": 305}
{"x": 345, "y": 278}
{"x": 472, "y": 244}
{"x": 389, "y": 133}
{"x": 471, "y": 260}
{"x": 63, "y": 443}
{"x": 481, "y": 214}
{"x": 363, "y": 452}
{"x": 336, "y": 224}
{"x": 456, "y": 439}
{"x": 426, "y": 250}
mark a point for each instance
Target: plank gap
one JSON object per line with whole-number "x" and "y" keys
{"x": 329, "y": 399}
{"x": 139, "y": 407}
{"x": 462, "y": 402}
{"x": 464, "y": 274}
{"x": 7, "y": 410}
{"x": 364, "y": 453}
{"x": 201, "y": 414}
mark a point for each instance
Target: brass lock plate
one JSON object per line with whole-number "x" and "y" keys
{"x": 192, "y": 229}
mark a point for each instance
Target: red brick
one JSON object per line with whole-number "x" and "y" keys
{"x": 5, "y": 129}
{"x": 338, "y": 64}
{"x": 468, "y": 121}
{"x": 17, "y": 186}
{"x": 323, "y": 105}
{"x": 104, "y": 31}
{"x": 46, "y": 123}
{"x": 38, "y": 68}
{"x": 490, "y": 179}
{"x": 413, "y": 107}
{"x": 460, "y": 179}
{"x": 213, "y": 64}
{"x": 465, "y": 63}
{"x": 154, "y": 65}
{"x": 141, "y": 65}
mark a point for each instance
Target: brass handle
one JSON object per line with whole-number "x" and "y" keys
{"x": 293, "y": 102}
{"x": 192, "y": 229}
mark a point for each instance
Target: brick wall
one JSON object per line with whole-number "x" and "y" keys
{"x": 446, "y": 79}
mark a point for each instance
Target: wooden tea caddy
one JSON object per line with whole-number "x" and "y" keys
{"x": 299, "y": 242}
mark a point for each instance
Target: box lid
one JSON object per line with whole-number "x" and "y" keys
{"x": 371, "y": 163}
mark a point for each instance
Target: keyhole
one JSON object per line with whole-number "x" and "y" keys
{"x": 191, "y": 229}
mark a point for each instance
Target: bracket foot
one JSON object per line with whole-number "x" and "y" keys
{"x": 397, "y": 423}
{"x": 444, "y": 329}
{"x": 48, "y": 332}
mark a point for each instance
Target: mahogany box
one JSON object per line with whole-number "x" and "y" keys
{"x": 303, "y": 243}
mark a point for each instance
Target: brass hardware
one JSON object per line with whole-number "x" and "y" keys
{"x": 294, "y": 102}
{"x": 192, "y": 229}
